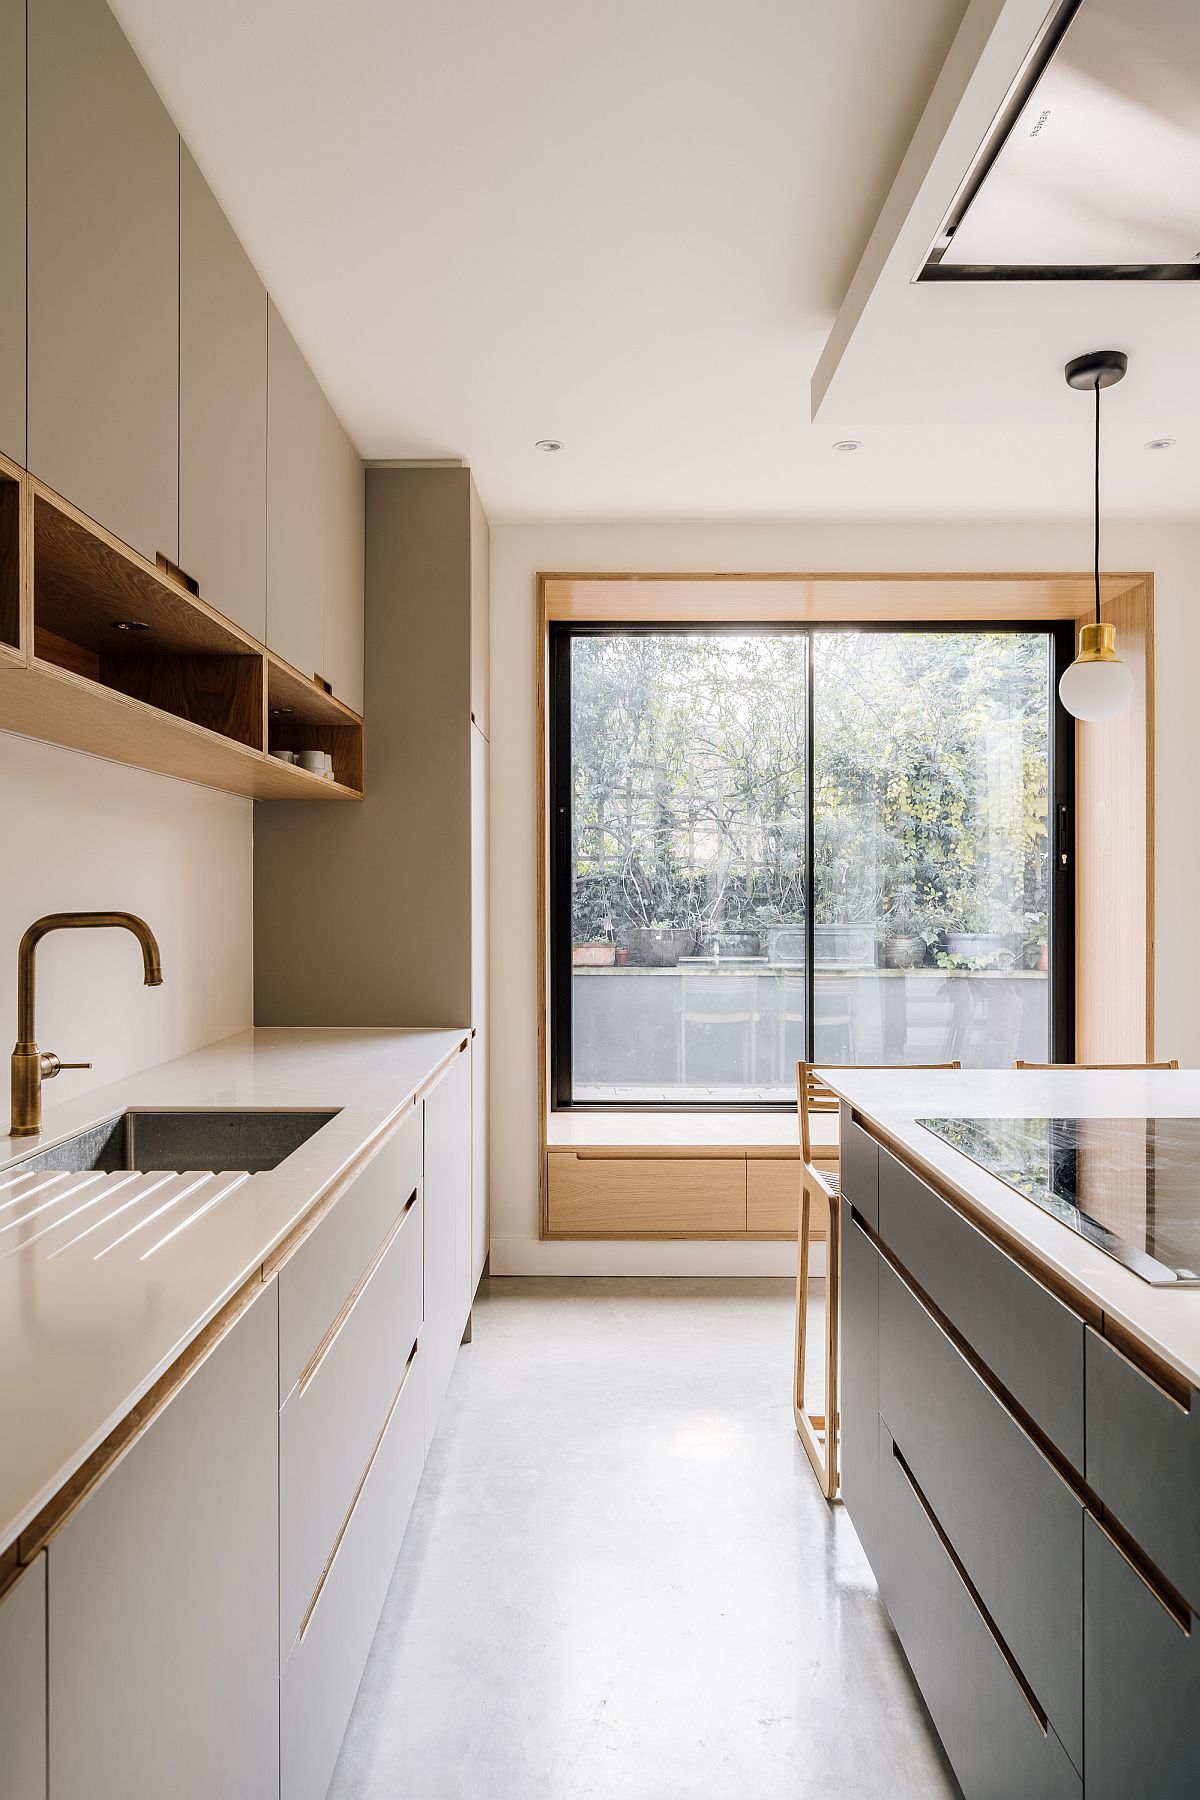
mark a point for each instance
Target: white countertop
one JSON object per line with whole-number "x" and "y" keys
{"x": 1166, "y": 1320}
{"x": 83, "y": 1337}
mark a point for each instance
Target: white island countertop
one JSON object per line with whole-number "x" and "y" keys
{"x": 890, "y": 1101}
{"x": 84, "y": 1336}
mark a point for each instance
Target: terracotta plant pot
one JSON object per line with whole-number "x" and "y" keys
{"x": 593, "y": 956}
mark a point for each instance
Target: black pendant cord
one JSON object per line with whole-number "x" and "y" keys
{"x": 1096, "y": 534}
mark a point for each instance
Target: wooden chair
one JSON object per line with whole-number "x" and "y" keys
{"x": 1173, "y": 1064}
{"x": 819, "y": 1194}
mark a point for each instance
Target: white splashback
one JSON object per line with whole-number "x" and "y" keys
{"x": 80, "y": 834}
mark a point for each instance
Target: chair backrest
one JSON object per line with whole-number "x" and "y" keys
{"x": 1173, "y": 1064}
{"x": 816, "y": 1096}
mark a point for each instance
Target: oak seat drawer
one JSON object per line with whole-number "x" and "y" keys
{"x": 996, "y": 1743}
{"x": 1143, "y": 1460}
{"x": 1029, "y": 1340}
{"x": 773, "y": 1196}
{"x": 330, "y": 1421}
{"x": 321, "y": 1676}
{"x": 1015, "y": 1525}
{"x": 316, "y": 1282}
{"x": 644, "y": 1196}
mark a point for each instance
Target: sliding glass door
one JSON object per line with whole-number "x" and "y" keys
{"x": 772, "y": 843}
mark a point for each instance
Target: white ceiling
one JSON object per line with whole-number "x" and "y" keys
{"x": 630, "y": 224}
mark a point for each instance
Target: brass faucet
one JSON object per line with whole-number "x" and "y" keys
{"x": 30, "y": 1066}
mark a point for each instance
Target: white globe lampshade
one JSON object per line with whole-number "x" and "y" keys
{"x": 1097, "y": 685}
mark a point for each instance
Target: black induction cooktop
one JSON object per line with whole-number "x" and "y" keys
{"x": 1131, "y": 1187}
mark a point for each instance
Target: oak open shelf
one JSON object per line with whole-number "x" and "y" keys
{"x": 179, "y": 690}
{"x": 302, "y": 716}
{"x": 104, "y": 618}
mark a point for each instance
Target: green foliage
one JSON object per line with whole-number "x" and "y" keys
{"x": 930, "y": 782}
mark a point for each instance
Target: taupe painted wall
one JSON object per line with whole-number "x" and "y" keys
{"x": 363, "y": 912}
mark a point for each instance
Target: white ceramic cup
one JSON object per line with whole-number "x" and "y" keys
{"x": 284, "y": 756}
{"x": 313, "y": 761}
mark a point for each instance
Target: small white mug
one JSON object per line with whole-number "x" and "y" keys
{"x": 313, "y": 761}
{"x": 284, "y": 756}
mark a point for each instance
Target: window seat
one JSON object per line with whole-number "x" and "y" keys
{"x": 675, "y": 1174}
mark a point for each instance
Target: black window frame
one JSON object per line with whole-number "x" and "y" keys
{"x": 1060, "y": 828}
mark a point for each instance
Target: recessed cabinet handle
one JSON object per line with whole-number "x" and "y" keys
{"x": 309, "y": 1371}
{"x": 1014, "y": 1668}
{"x": 353, "y": 1507}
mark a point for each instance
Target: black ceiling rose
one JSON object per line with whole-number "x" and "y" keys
{"x": 1098, "y": 369}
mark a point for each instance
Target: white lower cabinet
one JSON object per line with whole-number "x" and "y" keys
{"x": 163, "y": 1597}
{"x": 321, "y": 1676}
{"x": 449, "y": 1282}
{"x": 23, "y": 1686}
{"x": 209, "y": 1610}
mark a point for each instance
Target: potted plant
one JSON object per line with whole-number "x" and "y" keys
{"x": 909, "y": 938}
{"x": 659, "y": 945}
{"x": 1035, "y": 952}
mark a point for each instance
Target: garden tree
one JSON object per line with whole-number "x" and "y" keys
{"x": 930, "y": 780}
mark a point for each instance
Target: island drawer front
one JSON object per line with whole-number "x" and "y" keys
{"x": 859, "y": 1401}
{"x": 1141, "y": 1683}
{"x": 1143, "y": 1460}
{"x": 1015, "y": 1525}
{"x": 317, "y": 1281}
{"x": 329, "y": 1423}
{"x": 321, "y": 1676}
{"x": 996, "y": 1743}
{"x": 1029, "y": 1340}
{"x": 859, "y": 1153}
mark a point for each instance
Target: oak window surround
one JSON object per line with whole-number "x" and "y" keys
{"x": 1113, "y": 799}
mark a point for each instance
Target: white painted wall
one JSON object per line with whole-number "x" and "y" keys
{"x": 1172, "y": 552}
{"x": 80, "y": 834}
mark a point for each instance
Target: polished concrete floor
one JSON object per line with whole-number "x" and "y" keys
{"x": 620, "y": 1581}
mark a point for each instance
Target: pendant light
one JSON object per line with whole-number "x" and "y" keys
{"x": 1098, "y": 685}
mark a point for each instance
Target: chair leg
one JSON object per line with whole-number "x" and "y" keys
{"x": 833, "y": 1294}
{"x": 817, "y": 1433}
{"x": 802, "y": 1246}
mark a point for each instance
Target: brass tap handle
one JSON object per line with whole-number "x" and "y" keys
{"x": 51, "y": 1065}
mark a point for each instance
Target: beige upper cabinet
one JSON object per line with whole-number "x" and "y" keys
{"x": 315, "y": 510}
{"x": 12, "y": 229}
{"x": 344, "y": 610}
{"x": 103, "y": 250}
{"x": 222, "y": 409}
{"x": 481, "y": 644}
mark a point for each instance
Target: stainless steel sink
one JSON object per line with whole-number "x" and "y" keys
{"x": 212, "y": 1138}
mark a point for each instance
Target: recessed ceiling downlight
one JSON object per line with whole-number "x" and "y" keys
{"x": 846, "y": 445}
{"x": 1161, "y": 443}
{"x": 549, "y": 445}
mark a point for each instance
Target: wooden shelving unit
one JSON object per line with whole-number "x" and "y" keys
{"x": 302, "y": 716}
{"x": 102, "y": 652}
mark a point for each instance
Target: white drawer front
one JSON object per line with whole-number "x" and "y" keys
{"x": 321, "y": 1676}
{"x": 330, "y": 1422}
{"x": 318, "y": 1280}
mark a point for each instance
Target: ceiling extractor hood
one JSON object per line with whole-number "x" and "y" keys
{"x": 1091, "y": 171}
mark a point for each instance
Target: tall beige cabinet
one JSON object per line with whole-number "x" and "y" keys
{"x": 378, "y": 915}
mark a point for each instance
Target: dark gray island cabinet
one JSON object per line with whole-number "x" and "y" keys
{"x": 1028, "y": 1496}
